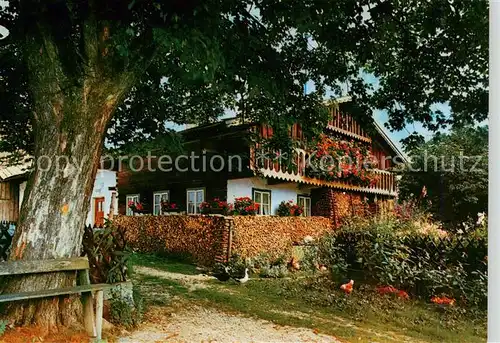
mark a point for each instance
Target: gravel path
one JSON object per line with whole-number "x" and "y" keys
{"x": 197, "y": 324}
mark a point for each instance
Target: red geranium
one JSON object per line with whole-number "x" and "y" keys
{"x": 207, "y": 207}
{"x": 245, "y": 206}
{"x": 135, "y": 206}
{"x": 348, "y": 160}
{"x": 167, "y": 205}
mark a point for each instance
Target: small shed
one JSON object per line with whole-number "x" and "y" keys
{"x": 12, "y": 184}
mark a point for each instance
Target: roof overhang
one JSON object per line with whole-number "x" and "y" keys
{"x": 389, "y": 142}
{"x": 379, "y": 129}
{"x": 290, "y": 177}
{"x": 15, "y": 172}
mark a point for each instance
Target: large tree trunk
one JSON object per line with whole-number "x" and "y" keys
{"x": 72, "y": 108}
{"x": 54, "y": 210}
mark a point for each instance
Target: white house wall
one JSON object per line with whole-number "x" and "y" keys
{"x": 103, "y": 181}
{"x": 22, "y": 188}
{"x": 238, "y": 188}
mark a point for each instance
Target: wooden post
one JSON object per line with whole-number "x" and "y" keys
{"x": 230, "y": 240}
{"x": 98, "y": 313}
{"x": 88, "y": 309}
{"x": 112, "y": 206}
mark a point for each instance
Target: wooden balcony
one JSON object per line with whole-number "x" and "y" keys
{"x": 345, "y": 124}
{"x": 266, "y": 167}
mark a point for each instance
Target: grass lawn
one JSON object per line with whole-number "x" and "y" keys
{"x": 313, "y": 301}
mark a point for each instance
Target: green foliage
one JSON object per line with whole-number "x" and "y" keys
{"x": 189, "y": 62}
{"x": 277, "y": 271}
{"x": 268, "y": 267}
{"x": 316, "y": 302}
{"x": 3, "y": 326}
{"x": 423, "y": 265}
{"x": 454, "y": 169}
{"x": 108, "y": 253}
{"x": 245, "y": 206}
{"x": 236, "y": 264}
{"x": 263, "y": 264}
{"x": 169, "y": 142}
{"x": 288, "y": 208}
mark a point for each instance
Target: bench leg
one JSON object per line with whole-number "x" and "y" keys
{"x": 88, "y": 314}
{"x": 98, "y": 312}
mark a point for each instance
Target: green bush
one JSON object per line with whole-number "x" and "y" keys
{"x": 288, "y": 208}
{"x": 379, "y": 252}
{"x": 276, "y": 271}
{"x": 263, "y": 265}
{"x": 108, "y": 253}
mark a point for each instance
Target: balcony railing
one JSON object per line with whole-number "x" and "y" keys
{"x": 265, "y": 165}
{"x": 344, "y": 123}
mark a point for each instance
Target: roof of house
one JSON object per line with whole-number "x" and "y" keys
{"x": 236, "y": 121}
{"x": 21, "y": 170}
{"x": 9, "y": 172}
{"x": 389, "y": 141}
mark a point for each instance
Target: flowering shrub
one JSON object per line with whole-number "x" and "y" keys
{"x": 288, "y": 208}
{"x": 245, "y": 206}
{"x": 135, "y": 206}
{"x": 405, "y": 210}
{"x": 207, "y": 207}
{"x": 422, "y": 264}
{"x": 167, "y": 206}
{"x": 413, "y": 208}
{"x": 335, "y": 159}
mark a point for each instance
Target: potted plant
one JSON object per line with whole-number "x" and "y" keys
{"x": 136, "y": 207}
{"x": 169, "y": 207}
{"x": 245, "y": 206}
{"x": 296, "y": 210}
{"x": 288, "y": 208}
{"x": 216, "y": 206}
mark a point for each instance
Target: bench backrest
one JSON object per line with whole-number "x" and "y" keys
{"x": 43, "y": 266}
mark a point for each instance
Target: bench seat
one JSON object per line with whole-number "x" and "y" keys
{"x": 78, "y": 264}
{"x": 53, "y": 292}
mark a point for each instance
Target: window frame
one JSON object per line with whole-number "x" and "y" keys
{"x": 154, "y": 201}
{"x": 305, "y": 196}
{"x": 128, "y": 197}
{"x": 197, "y": 208}
{"x": 261, "y": 191}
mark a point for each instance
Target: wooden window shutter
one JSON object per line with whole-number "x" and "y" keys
{"x": 294, "y": 131}
{"x": 299, "y": 132}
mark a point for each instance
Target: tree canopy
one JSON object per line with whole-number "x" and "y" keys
{"x": 454, "y": 169}
{"x": 72, "y": 70}
{"x": 191, "y": 59}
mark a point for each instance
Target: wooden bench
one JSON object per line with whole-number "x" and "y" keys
{"x": 78, "y": 264}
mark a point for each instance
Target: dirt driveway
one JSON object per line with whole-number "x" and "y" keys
{"x": 195, "y": 324}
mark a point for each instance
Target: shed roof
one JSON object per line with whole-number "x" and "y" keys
{"x": 13, "y": 172}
